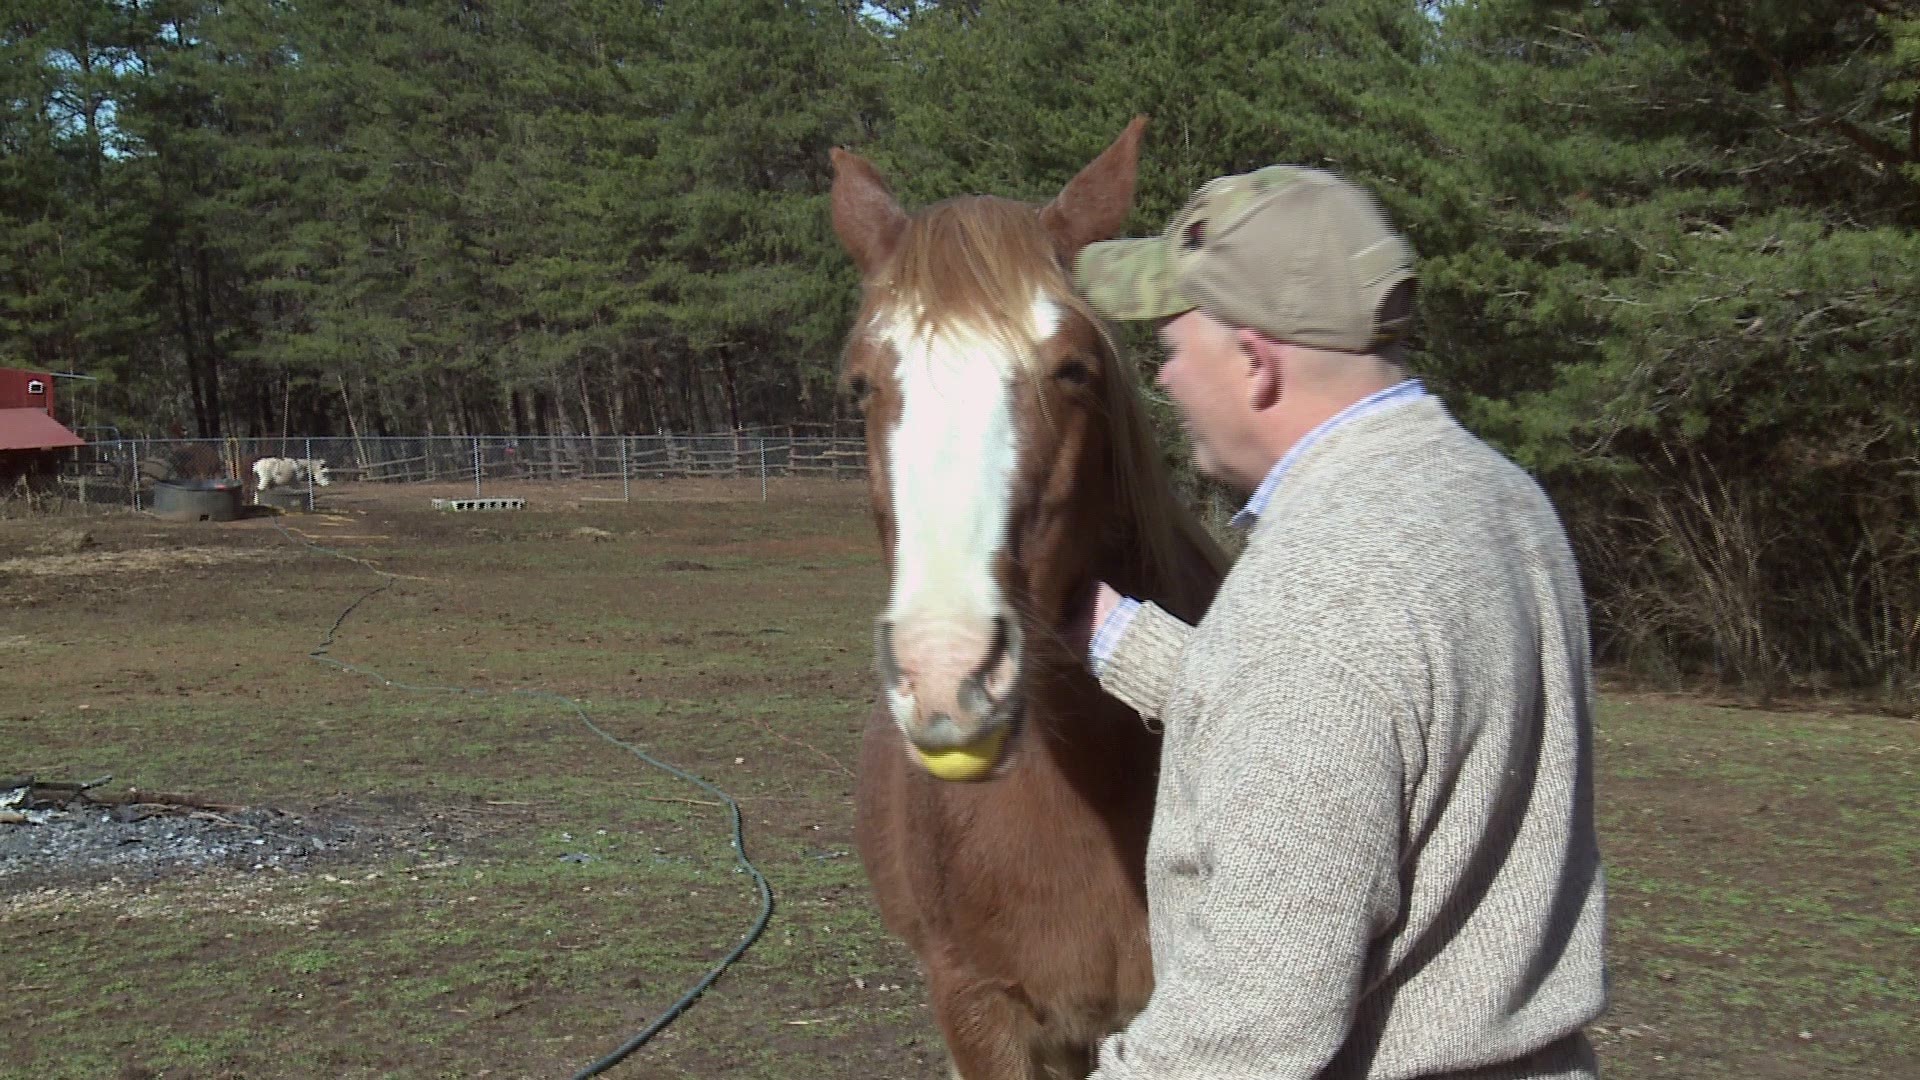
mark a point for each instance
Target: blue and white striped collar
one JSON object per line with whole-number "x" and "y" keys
{"x": 1397, "y": 394}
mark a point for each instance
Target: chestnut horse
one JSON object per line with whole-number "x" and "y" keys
{"x": 1011, "y": 468}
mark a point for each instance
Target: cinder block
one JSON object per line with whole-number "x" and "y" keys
{"x": 479, "y": 504}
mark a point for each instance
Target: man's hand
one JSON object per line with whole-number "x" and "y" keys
{"x": 1105, "y": 599}
{"x": 1087, "y": 619}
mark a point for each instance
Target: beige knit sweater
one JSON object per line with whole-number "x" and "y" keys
{"x": 1373, "y": 853}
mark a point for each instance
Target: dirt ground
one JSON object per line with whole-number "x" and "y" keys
{"x": 475, "y": 884}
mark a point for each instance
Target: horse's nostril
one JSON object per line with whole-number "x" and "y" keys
{"x": 998, "y": 668}
{"x": 1002, "y": 641}
{"x": 974, "y": 697}
{"x": 886, "y": 660}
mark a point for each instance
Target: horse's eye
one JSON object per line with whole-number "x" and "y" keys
{"x": 1074, "y": 372}
{"x": 859, "y": 387}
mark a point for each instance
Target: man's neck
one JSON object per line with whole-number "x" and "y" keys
{"x": 1324, "y": 418}
{"x": 1293, "y": 420}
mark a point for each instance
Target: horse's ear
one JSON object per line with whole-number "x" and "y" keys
{"x": 1094, "y": 205}
{"x": 865, "y": 216}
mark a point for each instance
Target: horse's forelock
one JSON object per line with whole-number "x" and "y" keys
{"x": 979, "y": 263}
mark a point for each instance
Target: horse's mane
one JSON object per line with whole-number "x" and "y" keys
{"x": 980, "y": 260}
{"x": 1169, "y": 537}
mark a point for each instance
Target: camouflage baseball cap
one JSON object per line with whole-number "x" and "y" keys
{"x": 1301, "y": 255}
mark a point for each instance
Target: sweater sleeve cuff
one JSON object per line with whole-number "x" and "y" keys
{"x": 1140, "y": 667}
{"x": 1112, "y": 628}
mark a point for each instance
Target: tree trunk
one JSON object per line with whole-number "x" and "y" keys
{"x": 203, "y": 289}
{"x": 189, "y": 345}
{"x": 696, "y": 401}
{"x": 732, "y": 388}
{"x": 658, "y": 402}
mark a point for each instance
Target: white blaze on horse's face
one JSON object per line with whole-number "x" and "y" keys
{"x": 950, "y": 647}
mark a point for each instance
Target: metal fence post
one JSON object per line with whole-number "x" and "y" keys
{"x": 309, "y": 445}
{"x": 476, "y": 466}
{"x": 626, "y": 476}
{"x": 762, "y": 440}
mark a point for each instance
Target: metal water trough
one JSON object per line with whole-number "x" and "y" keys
{"x": 196, "y": 500}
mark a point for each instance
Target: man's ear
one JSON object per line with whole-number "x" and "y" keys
{"x": 1266, "y": 376}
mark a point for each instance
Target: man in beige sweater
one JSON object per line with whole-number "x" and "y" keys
{"x": 1373, "y": 851}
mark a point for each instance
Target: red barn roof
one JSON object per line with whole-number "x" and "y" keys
{"x": 33, "y": 429}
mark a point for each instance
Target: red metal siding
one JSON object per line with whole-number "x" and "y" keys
{"x": 16, "y": 390}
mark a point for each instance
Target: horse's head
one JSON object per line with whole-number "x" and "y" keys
{"x": 318, "y": 468}
{"x": 990, "y": 394}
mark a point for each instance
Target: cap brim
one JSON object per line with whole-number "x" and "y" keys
{"x": 1130, "y": 279}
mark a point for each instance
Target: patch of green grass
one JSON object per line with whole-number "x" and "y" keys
{"x": 310, "y": 961}
{"x": 1761, "y": 900}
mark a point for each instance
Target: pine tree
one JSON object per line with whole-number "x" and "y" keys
{"x": 1700, "y": 335}
{"x": 71, "y": 213}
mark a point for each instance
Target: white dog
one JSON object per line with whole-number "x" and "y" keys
{"x": 273, "y": 472}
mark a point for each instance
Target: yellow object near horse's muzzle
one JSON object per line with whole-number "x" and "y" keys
{"x": 971, "y": 762}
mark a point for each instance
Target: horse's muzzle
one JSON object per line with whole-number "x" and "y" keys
{"x": 951, "y": 688}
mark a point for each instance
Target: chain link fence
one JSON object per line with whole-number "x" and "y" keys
{"x": 122, "y": 471}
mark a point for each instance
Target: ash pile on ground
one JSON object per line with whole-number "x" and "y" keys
{"x": 76, "y": 840}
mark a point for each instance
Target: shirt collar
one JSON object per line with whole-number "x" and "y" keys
{"x": 1397, "y": 394}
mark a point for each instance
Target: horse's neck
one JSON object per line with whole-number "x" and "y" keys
{"x": 1156, "y": 550}
{"x": 1181, "y": 580}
